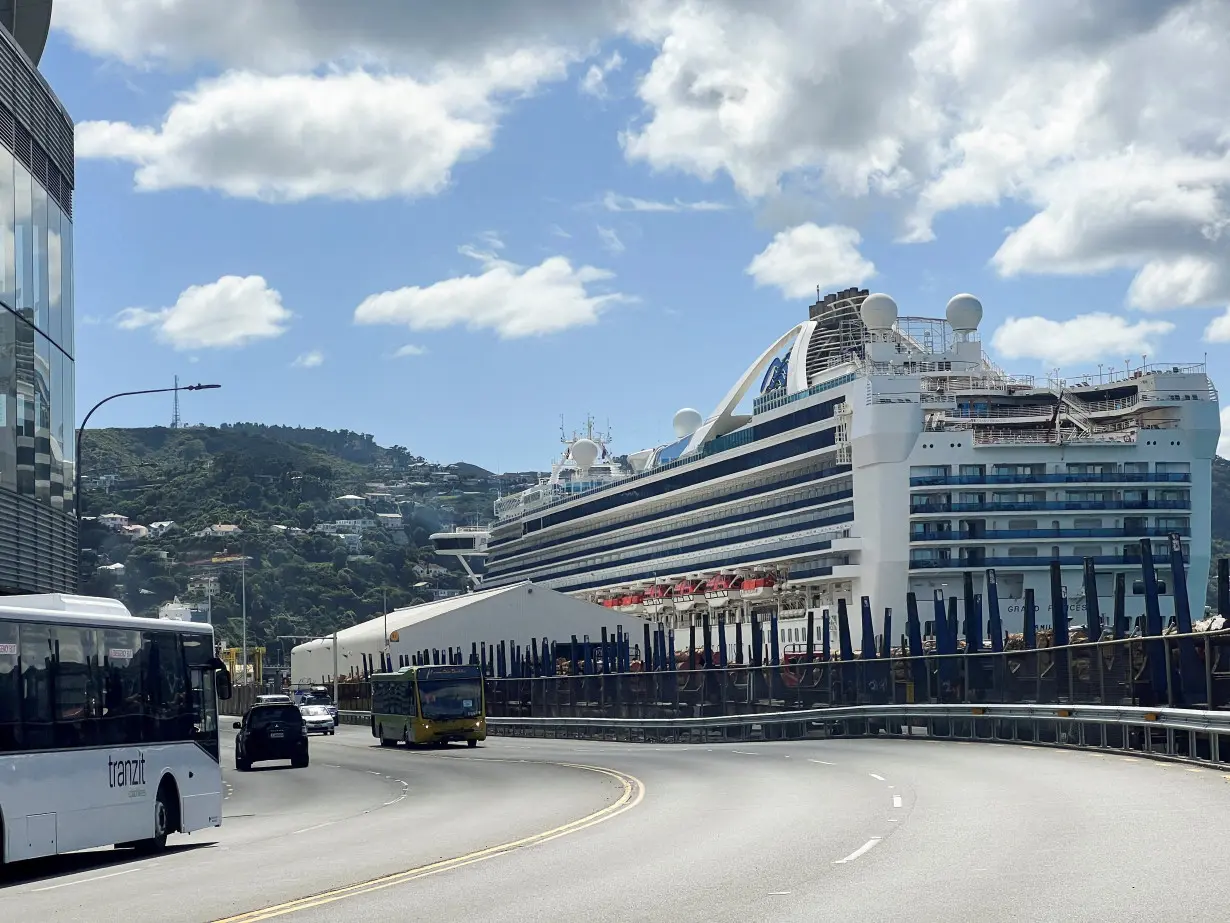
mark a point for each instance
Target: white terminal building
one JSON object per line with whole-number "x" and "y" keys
{"x": 865, "y": 453}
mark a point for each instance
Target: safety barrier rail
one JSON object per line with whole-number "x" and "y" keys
{"x": 1166, "y": 733}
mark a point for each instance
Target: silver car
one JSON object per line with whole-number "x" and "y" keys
{"x": 317, "y": 719}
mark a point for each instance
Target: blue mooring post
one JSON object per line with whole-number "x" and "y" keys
{"x": 886, "y": 643}
{"x": 1059, "y": 606}
{"x": 1155, "y": 646}
{"x": 954, "y": 625}
{"x": 757, "y": 642}
{"x": 739, "y": 642}
{"x": 707, "y": 640}
{"x": 692, "y": 646}
{"x": 811, "y": 635}
{"x": 995, "y": 625}
{"x": 973, "y": 644}
{"x": 826, "y": 636}
{"x": 1031, "y": 621}
{"x": 941, "y": 624}
{"x": 573, "y": 664}
{"x": 918, "y": 667}
{"x": 482, "y": 657}
{"x": 1190, "y": 670}
{"x": 646, "y": 658}
{"x": 1093, "y": 610}
{"x": 721, "y": 629}
{"x": 967, "y": 593}
{"x": 1119, "y": 625}
{"x": 474, "y": 653}
{"x": 588, "y": 654}
{"x": 869, "y": 629}
{"x": 670, "y": 650}
{"x": 774, "y": 638}
{"x": 845, "y": 644}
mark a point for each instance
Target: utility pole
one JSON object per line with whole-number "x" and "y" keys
{"x": 334, "y": 667}
{"x": 243, "y": 592}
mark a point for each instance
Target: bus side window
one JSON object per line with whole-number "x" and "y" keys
{"x": 10, "y": 689}
{"x": 36, "y": 664}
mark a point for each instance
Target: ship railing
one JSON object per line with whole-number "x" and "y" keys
{"x": 1111, "y": 376}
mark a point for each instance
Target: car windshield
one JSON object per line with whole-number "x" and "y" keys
{"x": 314, "y": 710}
{"x": 317, "y": 698}
{"x": 444, "y": 699}
{"x": 260, "y": 717}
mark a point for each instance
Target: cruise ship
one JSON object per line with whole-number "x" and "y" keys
{"x": 866, "y": 453}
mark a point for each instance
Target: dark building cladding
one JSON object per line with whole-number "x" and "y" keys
{"x": 38, "y": 534}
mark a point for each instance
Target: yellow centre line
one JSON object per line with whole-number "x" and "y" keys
{"x": 632, "y": 795}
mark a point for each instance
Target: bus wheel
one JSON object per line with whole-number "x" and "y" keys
{"x": 471, "y": 743}
{"x": 166, "y": 819}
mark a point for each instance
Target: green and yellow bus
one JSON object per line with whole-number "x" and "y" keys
{"x": 429, "y": 705}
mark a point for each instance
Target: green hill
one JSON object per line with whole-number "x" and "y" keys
{"x": 276, "y": 484}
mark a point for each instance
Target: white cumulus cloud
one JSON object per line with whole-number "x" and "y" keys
{"x": 594, "y": 81}
{"x": 410, "y": 349}
{"x": 1218, "y": 330}
{"x": 613, "y": 202}
{"x": 346, "y": 135}
{"x": 803, "y": 257}
{"x": 234, "y": 311}
{"x": 610, "y": 240}
{"x": 514, "y": 301}
{"x": 1085, "y": 338}
{"x": 309, "y": 360}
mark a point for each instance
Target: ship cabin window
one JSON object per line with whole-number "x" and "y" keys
{"x": 1173, "y": 495}
{"x": 1092, "y": 468}
{"x": 1021, "y": 551}
{"x": 930, "y": 471}
{"x": 1022, "y": 524}
{"x": 1086, "y": 522}
{"x": 973, "y": 470}
{"x": 1174, "y": 467}
{"x": 1173, "y": 523}
{"x": 1135, "y": 467}
{"x": 1011, "y": 586}
{"x": 1003, "y": 470}
{"x": 1087, "y": 551}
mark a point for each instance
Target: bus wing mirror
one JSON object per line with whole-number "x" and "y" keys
{"x": 223, "y": 683}
{"x": 238, "y": 725}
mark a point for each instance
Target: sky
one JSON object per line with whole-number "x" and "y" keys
{"x": 447, "y": 225}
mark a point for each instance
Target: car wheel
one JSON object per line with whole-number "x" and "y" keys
{"x": 300, "y": 761}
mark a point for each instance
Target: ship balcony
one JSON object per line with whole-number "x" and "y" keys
{"x": 940, "y": 507}
{"x": 965, "y": 535}
{"x": 962, "y": 564}
{"x": 1066, "y": 477}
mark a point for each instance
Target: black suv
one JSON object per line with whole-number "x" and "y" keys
{"x": 271, "y": 732}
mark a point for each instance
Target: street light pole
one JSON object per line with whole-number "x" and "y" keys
{"x": 77, "y": 454}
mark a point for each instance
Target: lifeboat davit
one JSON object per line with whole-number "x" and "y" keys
{"x": 723, "y": 589}
{"x": 657, "y": 599}
{"x": 633, "y": 602}
{"x": 688, "y": 593}
{"x": 761, "y": 586}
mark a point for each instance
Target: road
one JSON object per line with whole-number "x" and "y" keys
{"x": 523, "y": 830}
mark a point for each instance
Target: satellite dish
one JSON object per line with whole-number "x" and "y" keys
{"x": 964, "y": 313}
{"x": 878, "y": 312}
{"x": 585, "y": 452}
{"x": 686, "y": 422}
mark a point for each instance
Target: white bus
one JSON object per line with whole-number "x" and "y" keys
{"x": 108, "y": 727}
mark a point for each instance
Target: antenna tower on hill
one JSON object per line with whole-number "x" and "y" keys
{"x": 175, "y": 411}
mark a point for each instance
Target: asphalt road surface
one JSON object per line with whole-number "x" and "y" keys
{"x": 523, "y": 830}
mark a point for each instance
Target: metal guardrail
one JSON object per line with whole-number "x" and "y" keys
{"x": 1163, "y": 733}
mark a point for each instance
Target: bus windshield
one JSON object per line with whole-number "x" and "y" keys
{"x": 445, "y": 700}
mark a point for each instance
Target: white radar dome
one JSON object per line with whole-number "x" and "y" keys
{"x": 585, "y": 452}
{"x": 964, "y": 313}
{"x": 878, "y": 311}
{"x": 686, "y": 422}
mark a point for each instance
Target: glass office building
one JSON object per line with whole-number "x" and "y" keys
{"x": 38, "y": 536}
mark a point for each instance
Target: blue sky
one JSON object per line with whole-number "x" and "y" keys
{"x": 448, "y": 231}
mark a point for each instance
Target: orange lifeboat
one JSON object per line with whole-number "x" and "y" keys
{"x": 657, "y": 598}
{"x": 761, "y": 586}
{"x": 723, "y": 589}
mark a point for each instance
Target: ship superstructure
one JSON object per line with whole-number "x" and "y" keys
{"x": 865, "y": 453}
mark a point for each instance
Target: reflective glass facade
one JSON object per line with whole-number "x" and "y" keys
{"x": 38, "y": 538}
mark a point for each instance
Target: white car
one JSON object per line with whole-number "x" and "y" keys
{"x": 317, "y": 718}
